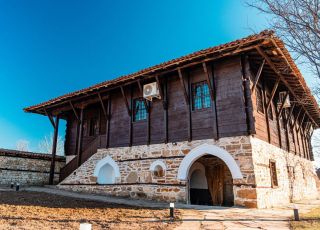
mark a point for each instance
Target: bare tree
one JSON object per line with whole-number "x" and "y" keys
{"x": 22, "y": 145}
{"x": 297, "y": 23}
{"x": 45, "y": 145}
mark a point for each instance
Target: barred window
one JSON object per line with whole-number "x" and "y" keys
{"x": 140, "y": 110}
{"x": 273, "y": 174}
{"x": 259, "y": 99}
{"x": 200, "y": 95}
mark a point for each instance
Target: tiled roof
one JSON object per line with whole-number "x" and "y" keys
{"x": 227, "y": 48}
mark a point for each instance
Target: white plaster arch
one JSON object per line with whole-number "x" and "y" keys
{"x": 156, "y": 163}
{"x": 206, "y": 149}
{"x": 102, "y": 164}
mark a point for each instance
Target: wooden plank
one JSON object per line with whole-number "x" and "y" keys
{"x": 301, "y": 123}
{"x": 205, "y": 70}
{"x": 54, "y": 151}
{"x": 189, "y": 110}
{"x": 256, "y": 79}
{"x": 149, "y": 123}
{"x": 296, "y": 119}
{"x": 130, "y": 111}
{"x": 186, "y": 96}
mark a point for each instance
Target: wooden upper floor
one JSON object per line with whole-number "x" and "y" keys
{"x": 224, "y": 91}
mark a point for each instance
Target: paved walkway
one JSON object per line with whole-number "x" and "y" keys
{"x": 204, "y": 217}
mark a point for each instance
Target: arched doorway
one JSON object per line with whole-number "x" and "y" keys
{"x": 218, "y": 168}
{"x": 211, "y": 185}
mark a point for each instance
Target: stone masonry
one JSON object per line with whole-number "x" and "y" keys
{"x": 27, "y": 168}
{"x": 251, "y": 155}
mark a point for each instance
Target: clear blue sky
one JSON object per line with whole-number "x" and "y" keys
{"x": 49, "y": 48}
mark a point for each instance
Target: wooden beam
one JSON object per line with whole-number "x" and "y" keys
{"x": 103, "y": 107}
{"x": 50, "y": 118}
{"x": 301, "y": 123}
{"x": 130, "y": 111}
{"x": 149, "y": 124}
{"x": 214, "y": 107}
{"x": 125, "y": 101}
{"x": 290, "y": 114}
{"x": 256, "y": 79}
{"x": 189, "y": 111}
{"x": 54, "y": 151}
{"x": 275, "y": 87}
{"x": 274, "y": 68}
{"x": 295, "y": 120}
{"x": 74, "y": 110}
{"x": 186, "y": 96}
{"x": 159, "y": 85}
{"x": 205, "y": 70}
{"x": 140, "y": 86}
{"x": 282, "y": 105}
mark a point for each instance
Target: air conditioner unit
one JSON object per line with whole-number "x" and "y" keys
{"x": 151, "y": 91}
{"x": 284, "y": 96}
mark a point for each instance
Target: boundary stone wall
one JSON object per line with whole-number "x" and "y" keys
{"x": 27, "y": 168}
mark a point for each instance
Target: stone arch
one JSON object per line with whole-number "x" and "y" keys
{"x": 206, "y": 149}
{"x": 107, "y": 171}
{"x": 156, "y": 163}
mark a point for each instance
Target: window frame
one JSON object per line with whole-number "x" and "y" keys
{"x": 203, "y": 96}
{"x": 134, "y": 111}
{"x": 273, "y": 173}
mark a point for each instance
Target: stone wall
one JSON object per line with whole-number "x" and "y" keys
{"x": 27, "y": 168}
{"x": 137, "y": 181}
{"x": 296, "y": 176}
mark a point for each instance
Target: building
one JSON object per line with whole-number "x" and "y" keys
{"x": 228, "y": 125}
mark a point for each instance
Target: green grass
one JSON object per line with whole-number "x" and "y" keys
{"x": 310, "y": 220}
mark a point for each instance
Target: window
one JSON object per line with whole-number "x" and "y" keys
{"x": 200, "y": 95}
{"x": 92, "y": 126}
{"x": 140, "y": 110}
{"x": 273, "y": 174}
{"x": 259, "y": 99}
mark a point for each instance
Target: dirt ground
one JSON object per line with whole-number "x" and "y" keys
{"x": 34, "y": 210}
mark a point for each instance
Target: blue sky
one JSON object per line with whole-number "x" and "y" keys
{"x": 49, "y": 48}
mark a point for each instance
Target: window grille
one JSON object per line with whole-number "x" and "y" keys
{"x": 140, "y": 110}
{"x": 273, "y": 174}
{"x": 200, "y": 95}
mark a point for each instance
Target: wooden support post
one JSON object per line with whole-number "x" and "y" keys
{"x": 130, "y": 111}
{"x": 297, "y": 117}
{"x": 108, "y": 122}
{"x": 165, "y": 108}
{"x": 256, "y": 80}
{"x": 290, "y": 114}
{"x": 245, "y": 69}
{"x": 149, "y": 123}
{"x": 189, "y": 110}
{"x": 279, "y": 130}
{"x": 214, "y": 106}
{"x": 160, "y": 88}
{"x": 79, "y": 147}
{"x": 74, "y": 111}
{"x": 301, "y": 123}
{"x": 287, "y": 131}
{"x": 103, "y": 107}
{"x": 266, "y": 112}
{"x": 282, "y": 105}
{"x": 54, "y": 150}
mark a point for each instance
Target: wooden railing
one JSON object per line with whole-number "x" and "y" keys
{"x": 91, "y": 149}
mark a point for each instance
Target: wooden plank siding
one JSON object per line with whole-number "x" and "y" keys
{"x": 226, "y": 117}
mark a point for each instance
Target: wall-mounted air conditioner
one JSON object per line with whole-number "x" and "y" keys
{"x": 151, "y": 91}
